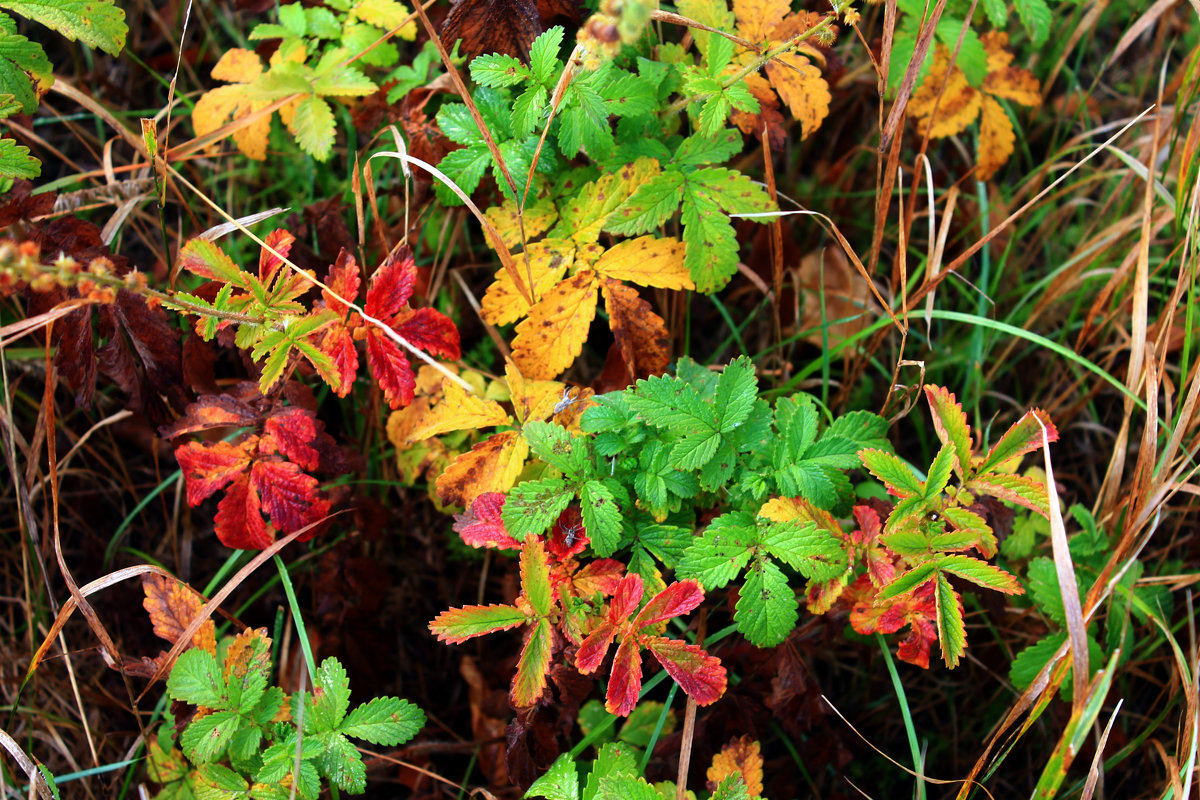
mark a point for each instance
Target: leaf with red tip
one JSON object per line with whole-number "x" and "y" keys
{"x": 1023, "y": 437}
{"x": 289, "y": 496}
{"x": 432, "y": 331}
{"x": 594, "y": 648}
{"x": 291, "y": 432}
{"x": 338, "y": 343}
{"x": 391, "y": 286}
{"x": 344, "y": 281}
{"x": 204, "y": 258}
{"x": 269, "y": 263}
{"x": 700, "y": 675}
{"x": 950, "y": 423}
{"x": 482, "y": 526}
{"x": 602, "y": 575}
{"x": 626, "y": 680}
{"x": 460, "y": 624}
{"x": 209, "y": 467}
{"x": 626, "y": 598}
{"x": 1013, "y": 489}
{"x": 211, "y": 411}
{"x": 239, "y": 522}
{"x": 530, "y": 681}
{"x": 391, "y": 369}
{"x": 675, "y": 600}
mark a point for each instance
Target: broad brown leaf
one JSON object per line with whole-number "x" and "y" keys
{"x": 639, "y": 332}
{"x": 493, "y": 26}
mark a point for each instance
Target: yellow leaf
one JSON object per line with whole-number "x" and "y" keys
{"x": 742, "y": 755}
{"x": 537, "y": 218}
{"x": 241, "y": 656}
{"x": 995, "y": 44}
{"x": 570, "y": 410}
{"x": 585, "y": 216}
{"x": 238, "y": 66}
{"x": 756, "y": 19}
{"x": 532, "y": 400}
{"x": 217, "y": 106}
{"x": 548, "y": 262}
{"x": 490, "y": 466}
{"x": 996, "y": 139}
{"x": 387, "y": 14}
{"x": 550, "y": 338}
{"x": 957, "y": 107}
{"x": 801, "y": 87}
{"x": 459, "y": 411}
{"x": 647, "y": 261}
{"x": 713, "y": 13}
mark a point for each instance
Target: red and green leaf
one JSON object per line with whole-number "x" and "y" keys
{"x": 460, "y": 624}
{"x": 204, "y": 258}
{"x": 909, "y": 581}
{"x": 1013, "y": 489}
{"x": 535, "y": 576}
{"x": 892, "y": 472}
{"x": 952, "y": 631}
{"x": 482, "y": 526}
{"x": 676, "y": 600}
{"x": 594, "y": 648}
{"x": 625, "y": 682}
{"x": 699, "y": 674}
{"x": 1023, "y": 437}
{"x": 950, "y": 423}
{"x": 268, "y": 263}
{"x": 529, "y": 683}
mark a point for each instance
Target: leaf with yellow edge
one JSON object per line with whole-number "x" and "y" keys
{"x": 459, "y": 411}
{"x": 550, "y": 338}
{"x": 647, "y": 261}
{"x": 493, "y": 465}
{"x": 548, "y": 261}
{"x": 742, "y": 756}
{"x": 537, "y": 219}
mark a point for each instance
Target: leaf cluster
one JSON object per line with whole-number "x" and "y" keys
{"x": 248, "y": 739}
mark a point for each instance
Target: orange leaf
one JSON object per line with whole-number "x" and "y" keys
{"x": 245, "y": 653}
{"x": 996, "y": 139}
{"x": 553, "y": 334}
{"x": 639, "y": 332}
{"x": 742, "y": 755}
{"x": 490, "y": 466}
{"x": 801, "y": 86}
{"x": 647, "y": 261}
{"x": 756, "y": 19}
{"x": 172, "y": 606}
{"x": 238, "y": 66}
{"x": 548, "y": 262}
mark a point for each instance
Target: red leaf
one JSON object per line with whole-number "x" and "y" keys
{"x": 338, "y": 344}
{"x": 268, "y": 262}
{"x": 567, "y": 535}
{"x": 594, "y": 647}
{"x": 209, "y": 467}
{"x": 291, "y": 432}
{"x": 211, "y": 411}
{"x": 482, "y": 526}
{"x": 602, "y": 575}
{"x": 700, "y": 675}
{"x": 432, "y": 331}
{"x": 391, "y": 285}
{"x": 344, "y": 280}
{"x": 391, "y": 369}
{"x": 626, "y": 598}
{"x": 239, "y": 522}
{"x": 288, "y": 495}
{"x": 676, "y": 600}
{"x": 626, "y": 679}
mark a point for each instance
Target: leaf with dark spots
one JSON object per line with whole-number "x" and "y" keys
{"x": 493, "y": 26}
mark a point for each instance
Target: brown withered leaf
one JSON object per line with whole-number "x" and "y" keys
{"x": 493, "y": 26}
{"x": 20, "y": 203}
{"x": 142, "y": 355}
{"x": 172, "y": 606}
{"x": 640, "y": 333}
{"x": 555, "y": 12}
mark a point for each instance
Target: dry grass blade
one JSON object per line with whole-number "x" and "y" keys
{"x": 36, "y": 780}
{"x": 1097, "y": 767}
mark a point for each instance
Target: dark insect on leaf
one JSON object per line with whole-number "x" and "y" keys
{"x": 493, "y": 26}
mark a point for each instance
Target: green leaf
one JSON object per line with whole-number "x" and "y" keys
{"x": 561, "y": 781}
{"x": 732, "y": 787}
{"x": 812, "y": 551}
{"x": 535, "y": 576}
{"x": 543, "y": 55}
{"x": 952, "y": 631}
{"x": 343, "y": 765}
{"x": 649, "y": 206}
{"x": 601, "y": 517}
{"x": 497, "y": 70}
{"x": 796, "y": 420}
{"x": 387, "y": 721}
{"x": 767, "y": 609}
{"x": 1043, "y": 586}
{"x": 950, "y": 423}
{"x": 972, "y": 58}
{"x": 1035, "y": 15}
{"x": 460, "y": 624}
{"x": 1030, "y": 661}
{"x": 997, "y": 12}
{"x": 893, "y": 472}
{"x": 293, "y": 19}
{"x": 939, "y": 472}
{"x": 693, "y": 452}
{"x": 205, "y": 738}
{"x": 721, "y": 553}
{"x": 15, "y": 161}
{"x": 909, "y": 580}
{"x": 906, "y": 542}
{"x": 313, "y": 126}
{"x": 981, "y": 573}
{"x": 864, "y": 428}
{"x": 223, "y": 778}
{"x": 554, "y": 444}
{"x": 712, "y": 249}
{"x": 667, "y": 402}
{"x": 532, "y": 506}
{"x": 734, "y": 192}
{"x": 329, "y": 706}
{"x": 196, "y": 679}
{"x": 719, "y": 148}
{"x": 466, "y": 168}
{"x": 737, "y": 388}
{"x": 528, "y": 109}
{"x": 96, "y": 23}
